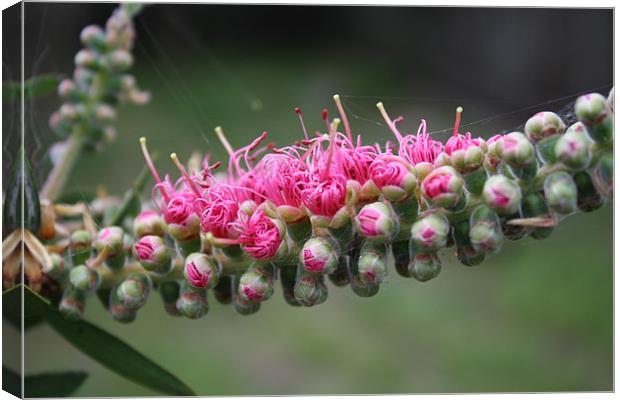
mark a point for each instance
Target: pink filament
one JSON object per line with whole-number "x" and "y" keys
{"x": 437, "y": 185}
{"x": 312, "y": 262}
{"x": 387, "y": 170}
{"x": 195, "y": 276}
{"x": 368, "y": 219}
{"x": 258, "y": 235}
{"x": 144, "y": 249}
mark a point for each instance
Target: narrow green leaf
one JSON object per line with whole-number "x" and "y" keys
{"x": 11, "y": 382}
{"x": 36, "y": 86}
{"x": 53, "y": 384}
{"x": 35, "y": 306}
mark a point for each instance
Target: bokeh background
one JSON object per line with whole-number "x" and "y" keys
{"x": 535, "y": 317}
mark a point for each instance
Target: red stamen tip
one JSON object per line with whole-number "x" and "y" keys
{"x": 325, "y": 114}
{"x": 298, "y": 110}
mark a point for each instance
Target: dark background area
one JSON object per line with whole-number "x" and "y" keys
{"x": 535, "y": 317}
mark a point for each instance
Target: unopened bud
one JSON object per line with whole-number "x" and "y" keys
{"x": 133, "y": 291}
{"x": 604, "y": 175}
{"x": 56, "y": 269}
{"x": 193, "y": 304}
{"x": 318, "y": 256}
{"x": 429, "y": 234}
{"x": 84, "y": 279}
{"x": 502, "y": 194}
{"x": 573, "y": 148}
{"x": 593, "y": 110}
{"x": 119, "y": 311}
{"x": 542, "y": 125}
{"x": 306, "y": 290}
{"x": 534, "y": 206}
{"x": 372, "y": 264}
{"x": 443, "y": 187}
{"x": 113, "y": 239}
{"x": 361, "y": 289}
{"x": 561, "y": 192}
{"x": 256, "y": 284}
{"x": 516, "y": 150}
{"x": 376, "y": 222}
{"x": 68, "y": 112}
{"x": 424, "y": 267}
{"x": 80, "y": 245}
{"x": 86, "y": 58}
{"x": 201, "y": 271}
{"x": 469, "y": 256}
{"x": 105, "y": 114}
{"x": 588, "y": 199}
{"x": 66, "y": 88}
{"x": 485, "y": 232}
{"x": 241, "y": 305}
{"x": 149, "y": 223}
{"x": 153, "y": 254}
{"x": 93, "y": 36}
{"x": 121, "y": 60}
{"x": 71, "y": 306}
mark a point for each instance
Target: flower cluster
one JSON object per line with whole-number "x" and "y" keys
{"x": 330, "y": 207}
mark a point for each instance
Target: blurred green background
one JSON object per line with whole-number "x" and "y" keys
{"x": 535, "y": 317}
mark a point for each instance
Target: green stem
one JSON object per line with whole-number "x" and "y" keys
{"x": 57, "y": 178}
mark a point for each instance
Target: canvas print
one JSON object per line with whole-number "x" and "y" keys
{"x": 227, "y": 200}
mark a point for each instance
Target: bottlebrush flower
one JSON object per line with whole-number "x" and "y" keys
{"x": 502, "y": 194}
{"x": 201, "y": 271}
{"x": 183, "y": 223}
{"x": 325, "y": 198}
{"x": 153, "y": 254}
{"x": 393, "y": 176}
{"x": 219, "y": 210}
{"x": 542, "y": 125}
{"x": 318, "y": 256}
{"x": 573, "y": 148}
{"x": 430, "y": 233}
{"x": 377, "y": 222}
{"x": 258, "y": 235}
{"x": 443, "y": 187}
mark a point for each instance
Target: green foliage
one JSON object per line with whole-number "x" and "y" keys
{"x": 54, "y": 384}
{"x": 36, "y": 86}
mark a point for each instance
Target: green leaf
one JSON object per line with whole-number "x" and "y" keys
{"x": 35, "y": 306}
{"x": 11, "y": 382}
{"x": 53, "y": 384}
{"x": 34, "y": 87}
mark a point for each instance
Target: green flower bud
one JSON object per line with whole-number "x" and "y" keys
{"x": 87, "y": 58}
{"x": 112, "y": 238}
{"x": 223, "y": 290}
{"x": 153, "y": 254}
{"x": 340, "y": 276}
{"x": 502, "y": 194}
{"x": 542, "y": 125}
{"x": 560, "y": 192}
{"x": 573, "y": 148}
{"x": 516, "y": 150}
{"x": 429, "y": 234}
{"x": 372, "y": 264}
{"x": 592, "y": 109}
{"x": 119, "y": 312}
{"x": 424, "y": 267}
{"x": 588, "y": 199}
{"x": 306, "y": 290}
{"x": 604, "y": 175}
{"x": 400, "y": 251}
{"x": 256, "y": 284}
{"x": 133, "y": 291}
{"x": 485, "y": 232}
{"x": 71, "y": 306}
{"x": 121, "y": 60}
{"x": 361, "y": 289}
{"x": 66, "y": 89}
{"x": 80, "y": 244}
{"x": 193, "y": 304}
{"x": 512, "y": 231}
{"x": 68, "y": 113}
{"x": 318, "y": 256}
{"x": 170, "y": 291}
{"x": 534, "y": 206}
{"x": 57, "y": 267}
{"x": 105, "y": 114}
{"x": 323, "y": 292}
{"x": 376, "y": 222}
{"x": 201, "y": 271}
{"x": 94, "y": 37}
{"x": 243, "y": 306}
{"x": 469, "y": 256}
{"x": 84, "y": 279}
{"x": 443, "y": 187}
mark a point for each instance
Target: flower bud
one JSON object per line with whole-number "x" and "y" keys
{"x": 68, "y": 112}
{"x": 256, "y": 284}
{"x": 170, "y": 291}
{"x": 469, "y": 256}
{"x": 80, "y": 244}
{"x": 84, "y": 279}
{"x": 66, "y": 88}
{"x": 201, "y": 271}
{"x": 93, "y": 36}
{"x": 149, "y": 223}
{"x": 573, "y": 148}
{"x": 429, "y": 234}
{"x": 400, "y": 251}
{"x": 443, "y": 187}
{"x": 340, "y": 276}
{"x": 534, "y": 206}
{"x": 424, "y": 267}
{"x": 153, "y": 254}
{"x": 133, "y": 291}
{"x": 542, "y": 125}
{"x": 113, "y": 238}
{"x": 86, "y": 58}
{"x": 485, "y": 232}
{"x": 561, "y": 192}
{"x": 393, "y": 177}
{"x": 593, "y": 111}
{"x": 604, "y": 175}
{"x": 245, "y": 307}
{"x": 121, "y": 60}
{"x": 193, "y": 304}
{"x": 71, "y": 306}
{"x": 588, "y": 199}
{"x": 372, "y": 264}
{"x": 306, "y": 290}
{"x": 318, "y": 256}
{"x": 361, "y": 289}
{"x": 56, "y": 269}
{"x": 118, "y": 311}
{"x": 502, "y": 194}
{"x": 376, "y": 222}
{"x": 516, "y": 150}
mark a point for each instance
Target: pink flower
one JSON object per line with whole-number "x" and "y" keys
{"x": 461, "y": 142}
{"x": 325, "y": 197}
{"x": 258, "y": 235}
{"x": 284, "y": 178}
{"x": 368, "y": 219}
{"x": 388, "y": 170}
{"x": 219, "y": 210}
{"x": 420, "y": 148}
